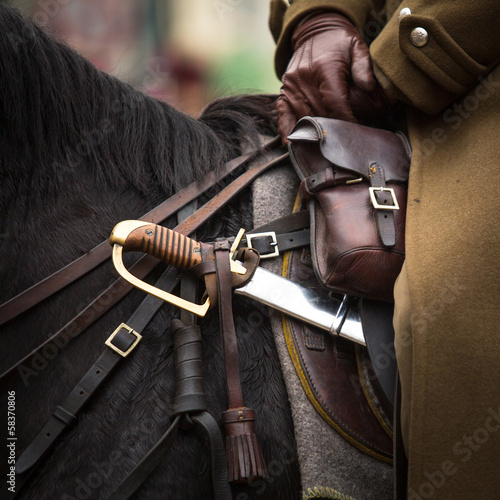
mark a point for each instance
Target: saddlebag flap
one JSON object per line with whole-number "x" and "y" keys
{"x": 355, "y": 180}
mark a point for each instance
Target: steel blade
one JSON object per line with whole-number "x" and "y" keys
{"x": 328, "y": 313}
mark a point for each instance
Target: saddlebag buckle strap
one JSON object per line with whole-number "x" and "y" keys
{"x": 265, "y": 243}
{"x": 123, "y": 340}
{"x": 385, "y": 206}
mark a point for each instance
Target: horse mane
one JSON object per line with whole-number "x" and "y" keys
{"x": 58, "y": 110}
{"x": 74, "y": 140}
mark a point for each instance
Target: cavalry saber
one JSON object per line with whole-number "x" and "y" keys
{"x": 327, "y": 313}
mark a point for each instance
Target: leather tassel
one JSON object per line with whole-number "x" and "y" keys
{"x": 243, "y": 452}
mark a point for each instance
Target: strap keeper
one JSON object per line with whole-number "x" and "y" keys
{"x": 64, "y": 416}
{"x": 123, "y": 340}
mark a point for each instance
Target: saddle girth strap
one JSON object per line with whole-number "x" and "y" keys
{"x": 243, "y": 452}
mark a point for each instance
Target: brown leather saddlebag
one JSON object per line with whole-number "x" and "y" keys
{"x": 355, "y": 180}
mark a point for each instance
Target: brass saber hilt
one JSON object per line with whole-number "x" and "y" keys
{"x": 163, "y": 243}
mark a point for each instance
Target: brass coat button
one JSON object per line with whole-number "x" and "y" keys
{"x": 419, "y": 37}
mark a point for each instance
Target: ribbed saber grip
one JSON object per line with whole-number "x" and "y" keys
{"x": 190, "y": 395}
{"x": 160, "y": 242}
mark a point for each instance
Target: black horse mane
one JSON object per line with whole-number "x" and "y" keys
{"x": 61, "y": 110}
{"x": 64, "y": 123}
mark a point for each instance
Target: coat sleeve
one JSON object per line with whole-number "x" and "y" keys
{"x": 461, "y": 44}
{"x": 284, "y": 17}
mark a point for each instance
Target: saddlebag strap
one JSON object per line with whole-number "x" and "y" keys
{"x": 243, "y": 452}
{"x": 189, "y": 408}
{"x": 119, "y": 288}
{"x": 78, "y": 268}
{"x": 119, "y": 345}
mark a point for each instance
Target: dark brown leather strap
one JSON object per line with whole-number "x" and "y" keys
{"x": 384, "y": 217}
{"x": 113, "y": 294}
{"x": 231, "y": 358}
{"x": 244, "y": 455}
{"x": 78, "y": 268}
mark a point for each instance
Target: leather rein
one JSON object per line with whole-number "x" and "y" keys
{"x": 125, "y": 338}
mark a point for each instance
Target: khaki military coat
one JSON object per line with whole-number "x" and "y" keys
{"x": 441, "y": 60}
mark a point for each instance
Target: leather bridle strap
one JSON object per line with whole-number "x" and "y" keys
{"x": 81, "y": 266}
{"x": 189, "y": 408}
{"x": 119, "y": 345}
{"x": 113, "y": 294}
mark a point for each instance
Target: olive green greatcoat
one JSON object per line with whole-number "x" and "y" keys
{"x": 447, "y": 318}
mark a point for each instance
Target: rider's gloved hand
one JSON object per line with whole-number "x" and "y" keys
{"x": 330, "y": 74}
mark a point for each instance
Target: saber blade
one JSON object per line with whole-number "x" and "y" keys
{"x": 307, "y": 305}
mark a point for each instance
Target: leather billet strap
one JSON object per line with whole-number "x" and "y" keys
{"x": 280, "y": 235}
{"x": 384, "y": 202}
{"x": 78, "y": 268}
{"x": 118, "y": 346}
{"x": 243, "y": 452}
{"x": 118, "y": 289}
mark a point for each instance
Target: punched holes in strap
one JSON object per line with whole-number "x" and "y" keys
{"x": 384, "y": 202}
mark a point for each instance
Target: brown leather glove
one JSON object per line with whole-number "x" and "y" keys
{"x": 330, "y": 74}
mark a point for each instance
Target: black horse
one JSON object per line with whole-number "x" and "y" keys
{"x": 79, "y": 152}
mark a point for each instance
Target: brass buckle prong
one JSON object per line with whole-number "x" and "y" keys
{"x": 110, "y": 344}
{"x": 377, "y": 205}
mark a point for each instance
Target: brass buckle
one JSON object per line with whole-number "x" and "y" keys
{"x": 377, "y": 205}
{"x": 274, "y": 243}
{"x": 124, "y": 354}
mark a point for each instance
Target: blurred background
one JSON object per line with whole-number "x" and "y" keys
{"x": 186, "y": 52}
